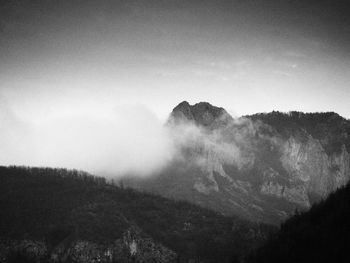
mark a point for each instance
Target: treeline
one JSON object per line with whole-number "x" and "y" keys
{"x": 332, "y": 130}
{"x": 320, "y": 235}
{"x": 59, "y": 205}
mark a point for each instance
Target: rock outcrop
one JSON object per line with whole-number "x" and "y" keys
{"x": 261, "y": 167}
{"x": 202, "y": 113}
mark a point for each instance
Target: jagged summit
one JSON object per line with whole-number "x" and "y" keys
{"x": 202, "y": 113}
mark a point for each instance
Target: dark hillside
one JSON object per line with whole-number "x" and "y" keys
{"x": 319, "y": 235}
{"x": 56, "y": 208}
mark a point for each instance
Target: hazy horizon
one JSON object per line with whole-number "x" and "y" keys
{"x": 59, "y": 57}
{"x": 71, "y": 66}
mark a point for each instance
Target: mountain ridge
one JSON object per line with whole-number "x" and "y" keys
{"x": 262, "y": 167}
{"x": 60, "y": 215}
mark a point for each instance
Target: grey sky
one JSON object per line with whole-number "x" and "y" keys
{"x": 63, "y": 57}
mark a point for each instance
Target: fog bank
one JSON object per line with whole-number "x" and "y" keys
{"x": 129, "y": 139}
{"x": 124, "y": 140}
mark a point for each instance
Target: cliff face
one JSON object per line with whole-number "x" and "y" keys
{"x": 321, "y": 173}
{"x": 261, "y": 167}
{"x": 201, "y": 113}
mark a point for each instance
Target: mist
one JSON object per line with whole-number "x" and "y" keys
{"x": 128, "y": 139}
{"x": 124, "y": 140}
{"x": 233, "y": 144}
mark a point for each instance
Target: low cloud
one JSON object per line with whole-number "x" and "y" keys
{"x": 233, "y": 144}
{"x": 128, "y": 140}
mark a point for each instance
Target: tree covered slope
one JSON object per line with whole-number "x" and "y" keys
{"x": 320, "y": 235}
{"x": 57, "y": 215}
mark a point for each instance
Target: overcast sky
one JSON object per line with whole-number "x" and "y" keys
{"x": 59, "y": 58}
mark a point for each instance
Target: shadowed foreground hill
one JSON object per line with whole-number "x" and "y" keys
{"x": 319, "y": 235}
{"x": 56, "y": 215}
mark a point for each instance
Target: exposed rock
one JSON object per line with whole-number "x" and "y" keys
{"x": 271, "y": 188}
{"x": 340, "y": 167}
{"x": 206, "y": 188}
{"x": 262, "y": 167}
{"x": 309, "y": 163}
{"x": 202, "y": 113}
{"x": 296, "y": 194}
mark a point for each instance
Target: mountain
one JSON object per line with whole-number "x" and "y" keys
{"x": 202, "y": 113}
{"x": 262, "y": 167}
{"x": 58, "y": 215}
{"x": 318, "y": 235}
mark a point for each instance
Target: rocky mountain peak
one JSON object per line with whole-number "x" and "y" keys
{"x": 261, "y": 167}
{"x": 202, "y": 113}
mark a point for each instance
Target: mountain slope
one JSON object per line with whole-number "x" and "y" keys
{"x": 319, "y": 235}
{"x": 329, "y": 128}
{"x": 51, "y": 215}
{"x": 261, "y": 167}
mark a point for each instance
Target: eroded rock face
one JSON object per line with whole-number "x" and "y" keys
{"x": 260, "y": 170}
{"x": 297, "y": 194}
{"x": 308, "y": 162}
{"x": 201, "y": 113}
{"x": 340, "y": 168}
{"x": 245, "y": 163}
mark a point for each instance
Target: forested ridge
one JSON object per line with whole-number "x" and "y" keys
{"x": 321, "y": 234}
{"x": 59, "y": 206}
{"x": 331, "y": 129}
